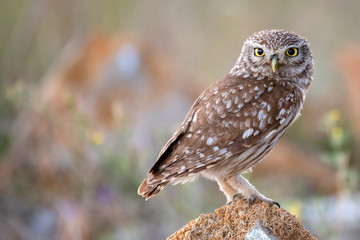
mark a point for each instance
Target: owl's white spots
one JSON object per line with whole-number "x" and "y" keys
{"x": 207, "y": 105}
{"x": 261, "y": 91}
{"x": 261, "y": 115}
{"x": 220, "y": 109}
{"x": 198, "y": 131}
{"x": 216, "y": 91}
{"x": 290, "y": 97}
{"x": 262, "y": 124}
{"x": 228, "y": 104}
{"x": 231, "y": 143}
{"x": 199, "y": 165}
{"x": 247, "y": 133}
{"x": 223, "y": 115}
{"x": 202, "y": 138}
{"x": 256, "y": 132}
{"x": 211, "y": 140}
{"x": 268, "y": 108}
{"x": 182, "y": 169}
{"x": 187, "y": 151}
{"x": 223, "y": 151}
{"x": 256, "y": 88}
{"x": 270, "y": 133}
{"x": 217, "y": 101}
{"x": 241, "y": 87}
{"x": 282, "y": 120}
{"x": 233, "y": 91}
{"x": 217, "y": 159}
{"x": 224, "y": 94}
{"x": 228, "y": 154}
{"x": 236, "y": 100}
{"x": 270, "y": 88}
{"x": 240, "y": 105}
{"x": 263, "y": 104}
{"x": 216, "y": 148}
{"x": 281, "y": 113}
{"x": 189, "y": 135}
{"x": 201, "y": 155}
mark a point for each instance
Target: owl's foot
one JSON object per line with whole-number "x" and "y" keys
{"x": 248, "y": 191}
{"x": 269, "y": 201}
{"x": 253, "y": 198}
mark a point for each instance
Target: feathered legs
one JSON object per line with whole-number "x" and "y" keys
{"x": 236, "y": 185}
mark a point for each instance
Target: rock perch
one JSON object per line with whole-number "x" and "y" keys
{"x": 239, "y": 221}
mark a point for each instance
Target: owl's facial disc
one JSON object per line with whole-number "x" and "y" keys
{"x": 283, "y": 61}
{"x": 275, "y": 54}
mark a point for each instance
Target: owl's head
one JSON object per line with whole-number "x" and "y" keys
{"x": 276, "y": 54}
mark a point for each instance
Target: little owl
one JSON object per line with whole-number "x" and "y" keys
{"x": 238, "y": 119}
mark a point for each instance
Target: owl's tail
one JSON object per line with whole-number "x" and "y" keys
{"x": 149, "y": 190}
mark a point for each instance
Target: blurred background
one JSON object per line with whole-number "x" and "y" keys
{"x": 91, "y": 90}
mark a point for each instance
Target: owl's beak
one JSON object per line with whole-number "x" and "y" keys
{"x": 274, "y": 63}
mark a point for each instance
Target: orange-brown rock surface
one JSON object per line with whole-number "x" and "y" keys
{"x": 236, "y": 220}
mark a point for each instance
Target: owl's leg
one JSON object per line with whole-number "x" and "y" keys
{"x": 227, "y": 189}
{"x": 248, "y": 191}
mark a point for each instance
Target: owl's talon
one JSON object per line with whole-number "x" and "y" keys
{"x": 251, "y": 201}
{"x": 238, "y": 196}
{"x": 277, "y": 204}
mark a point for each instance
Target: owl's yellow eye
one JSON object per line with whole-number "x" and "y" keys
{"x": 292, "y": 52}
{"x": 259, "y": 52}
